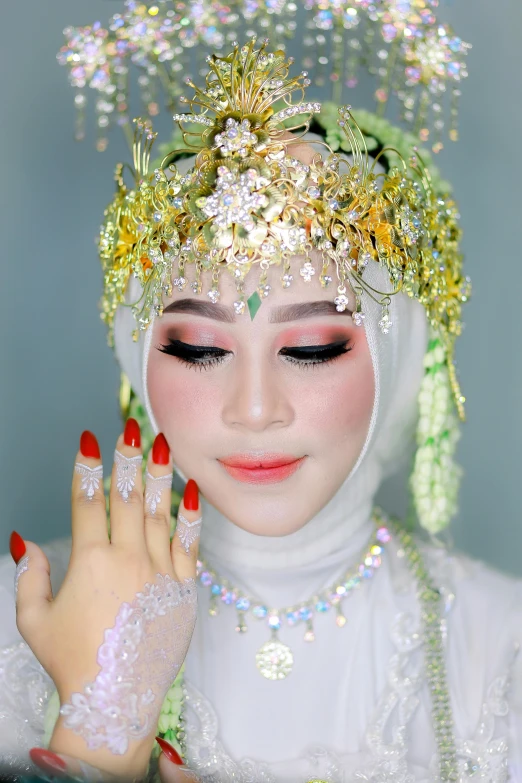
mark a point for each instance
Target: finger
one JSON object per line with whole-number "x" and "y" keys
{"x": 89, "y": 517}
{"x": 61, "y": 766}
{"x": 185, "y": 543}
{"x": 32, "y": 584}
{"x": 170, "y": 765}
{"x": 158, "y": 486}
{"x": 126, "y": 495}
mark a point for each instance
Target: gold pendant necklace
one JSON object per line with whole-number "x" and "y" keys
{"x": 274, "y": 660}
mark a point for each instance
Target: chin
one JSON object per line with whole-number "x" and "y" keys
{"x": 261, "y": 515}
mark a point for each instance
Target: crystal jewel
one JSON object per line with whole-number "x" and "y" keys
{"x": 307, "y": 271}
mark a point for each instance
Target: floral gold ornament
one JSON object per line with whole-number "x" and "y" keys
{"x": 248, "y": 202}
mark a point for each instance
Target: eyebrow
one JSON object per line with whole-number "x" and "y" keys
{"x": 279, "y": 315}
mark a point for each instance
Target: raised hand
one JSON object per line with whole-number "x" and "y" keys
{"x": 117, "y": 632}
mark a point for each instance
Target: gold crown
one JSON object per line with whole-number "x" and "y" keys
{"x": 248, "y": 202}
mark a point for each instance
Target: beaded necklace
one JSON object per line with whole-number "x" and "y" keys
{"x": 274, "y": 660}
{"x": 430, "y": 601}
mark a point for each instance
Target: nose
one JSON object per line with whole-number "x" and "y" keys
{"x": 256, "y": 399}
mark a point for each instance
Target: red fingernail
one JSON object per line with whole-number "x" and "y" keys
{"x": 169, "y": 751}
{"x": 16, "y": 546}
{"x": 47, "y": 760}
{"x": 191, "y": 496}
{"x": 89, "y": 445}
{"x": 160, "y": 450}
{"x": 132, "y": 434}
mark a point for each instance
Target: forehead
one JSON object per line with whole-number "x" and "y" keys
{"x": 279, "y": 298}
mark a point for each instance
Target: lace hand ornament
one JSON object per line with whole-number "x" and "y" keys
{"x": 116, "y": 634}
{"x": 140, "y": 658}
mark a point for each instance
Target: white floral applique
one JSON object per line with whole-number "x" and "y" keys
{"x": 393, "y": 713}
{"x": 386, "y": 737}
{"x": 206, "y": 755}
{"x": 25, "y": 688}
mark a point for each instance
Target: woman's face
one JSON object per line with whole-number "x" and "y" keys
{"x": 268, "y": 415}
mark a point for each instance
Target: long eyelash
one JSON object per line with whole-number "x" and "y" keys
{"x": 313, "y": 355}
{"x": 204, "y": 358}
{"x": 197, "y": 357}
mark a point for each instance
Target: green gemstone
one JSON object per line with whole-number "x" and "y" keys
{"x": 254, "y": 303}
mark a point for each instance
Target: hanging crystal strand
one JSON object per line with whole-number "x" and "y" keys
{"x": 263, "y": 287}
{"x": 290, "y": 23}
{"x": 270, "y": 31}
{"x": 367, "y": 51}
{"x": 321, "y": 59}
{"x": 420, "y": 128}
{"x": 122, "y": 92}
{"x": 239, "y": 304}
{"x": 153, "y": 106}
{"x": 354, "y": 55}
{"x": 386, "y": 75}
{"x": 166, "y": 83}
{"x": 338, "y": 56}
{"x": 102, "y": 123}
{"x": 286, "y": 277}
{"x": 242, "y": 606}
{"x": 408, "y": 101}
{"x": 264, "y": 25}
{"x": 438, "y": 125}
{"x": 325, "y": 278}
{"x": 214, "y": 294}
{"x": 196, "y": 285}
{"x": 340, "y": 618}
{"x": 180, "y": 281}
{"x": 454, "y": 113}
{"x": 176, "y": 76}
{"x": 386, "y": 323}
{"x": 144, "y": 84}
{"x": 358, "y": 316}
{"x": 309, "y": 633}
{"x": 213, "y": 606}
{"x": 308, "y": 60}
{"x": 80, "y": 101}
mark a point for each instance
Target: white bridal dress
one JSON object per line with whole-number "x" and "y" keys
{"x": 356, "y": 706}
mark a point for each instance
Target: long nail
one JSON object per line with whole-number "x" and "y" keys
{"x": 160, "y": 450}
{"x": 47, "y": 760}
{"x": 169, "y": 751}
{"x": 89, "y": 445}
{"x": 132, "y": 434}
{"x": 191, "y": 496}
{"x": 16, "y": 546}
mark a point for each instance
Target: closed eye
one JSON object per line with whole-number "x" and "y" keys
{"x": 205, "y": 356}
{"x": 316, "y": 354}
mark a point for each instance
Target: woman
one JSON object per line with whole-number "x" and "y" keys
{"x": 303, "y": 408}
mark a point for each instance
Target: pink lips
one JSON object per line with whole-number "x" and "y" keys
{"x": 261, "y": 470}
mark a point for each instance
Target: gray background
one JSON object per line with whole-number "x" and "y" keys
{"x": 59, "y": 377}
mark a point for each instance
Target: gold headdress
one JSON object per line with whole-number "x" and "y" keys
{"x": 249, "y": 203}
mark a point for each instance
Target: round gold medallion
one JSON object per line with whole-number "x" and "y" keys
{"x": 274, "y": 660}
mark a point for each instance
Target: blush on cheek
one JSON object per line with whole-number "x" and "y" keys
{"x": 182, "y": 403}
{"x": 342, "y": 408}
